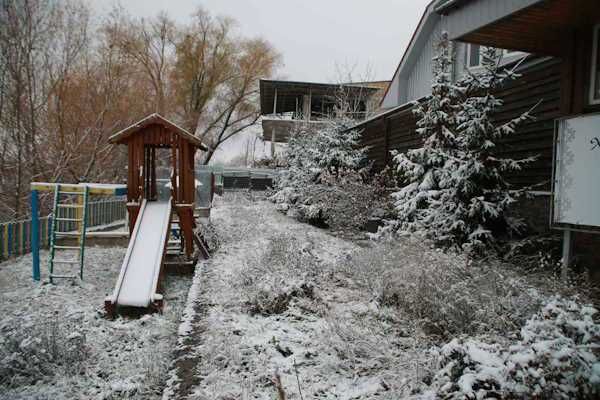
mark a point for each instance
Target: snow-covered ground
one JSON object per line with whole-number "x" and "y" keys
{"x": 286, "y": 310}
{"x": 56, "y": 344}
{"x": 269, "y": 307}
{"x": 283, "y": 309}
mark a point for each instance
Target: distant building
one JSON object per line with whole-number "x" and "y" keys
{"x": 288, "y": 106}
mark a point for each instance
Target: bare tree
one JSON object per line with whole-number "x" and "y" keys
{"x": 148, "y": 44}
{"x": 37, "y": 44}
{"x": 216, "y": 77}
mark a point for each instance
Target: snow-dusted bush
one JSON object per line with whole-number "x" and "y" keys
{"x": 454, "y": 187}
{"x": 31, "y": 353}
{"x": 330, "y": 148}
{"x": 342, "y": 202}
{"x": 444, "y": 293}
{"x": 210, "y": 236}
{"x": 284, "y": 271}
{"x": 554, "y": 358}
{"x": 323, "y": 184}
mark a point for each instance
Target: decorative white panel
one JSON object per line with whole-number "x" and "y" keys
{"x": 577, "y": 171}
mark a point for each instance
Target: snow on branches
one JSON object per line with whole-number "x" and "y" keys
{"x": 455, "y": 190}
{"x": 555, "y": 358}
{"x": 322, "y": 183}
{"x": 330, "y": 148}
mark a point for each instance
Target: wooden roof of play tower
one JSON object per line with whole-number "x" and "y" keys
{"x": 156, "y": 124}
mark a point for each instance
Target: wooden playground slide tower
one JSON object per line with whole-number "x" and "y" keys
{"x": 142, "y": 140}
{"x": 150, "y": 218}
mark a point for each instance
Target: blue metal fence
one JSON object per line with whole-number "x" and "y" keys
{"x": 15, "y": 236}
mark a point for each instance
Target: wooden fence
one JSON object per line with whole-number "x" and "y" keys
{"x": 15, "y": 236}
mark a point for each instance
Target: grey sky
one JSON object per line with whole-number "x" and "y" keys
{"x": 312, "y": 35}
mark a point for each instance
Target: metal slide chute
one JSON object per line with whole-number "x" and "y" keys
{"x": 137, "y": 285}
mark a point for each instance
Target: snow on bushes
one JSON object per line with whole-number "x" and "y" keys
{"x": 341, "y": 203}
{"x": 331, "y": 148}
{"x": 444, "y": 293}
{"x": 323, "y": 184}
{"x": 285, "y": 271}
{"x": 555, "y": 358}
{"x": 34, "y": 352}
{"x": 455, "y": 190}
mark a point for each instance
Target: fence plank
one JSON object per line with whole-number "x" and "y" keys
{"x": 2, "y": 256}
{"x": 15, "y": 236}
{"x": 10, "y": 239}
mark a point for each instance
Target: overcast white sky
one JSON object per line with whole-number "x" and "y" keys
{"x": 313, "y": 36}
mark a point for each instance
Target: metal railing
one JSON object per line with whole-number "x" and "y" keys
{"x": 241, "y": 178}
{"x": 15, "y": 236}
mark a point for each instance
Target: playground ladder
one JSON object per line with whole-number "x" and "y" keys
{"x": 79, "y": 233}
{"x": 175, "y": 244}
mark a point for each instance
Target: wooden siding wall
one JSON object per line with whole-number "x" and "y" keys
{"x": 539, "y": 81}
{"x": 419, "y": 78}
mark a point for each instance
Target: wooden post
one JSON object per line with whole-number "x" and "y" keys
{"x": 273, "y": 138}
{"x": 309, "y": 104}
{"x": 153, "y": 191}
{"x": 35, "y": 236}
{"x": 174, "y": 160}
{"x": 387, "y": 142}
{"x": 566, "y": 254}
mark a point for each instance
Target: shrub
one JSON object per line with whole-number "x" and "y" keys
{"x": 29, "y": 353}
{"x": 285, "y": 271}
{"x": 444, "y": 292}
{"x": 555, "y": 358}
{"x": 324, "y": 183}
{"x": 341, "y": 203}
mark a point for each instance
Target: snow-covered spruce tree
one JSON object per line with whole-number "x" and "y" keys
{"x": 323, "y": 184}
{"x": 329, "y": 149}
{"x": 456, "y": 193}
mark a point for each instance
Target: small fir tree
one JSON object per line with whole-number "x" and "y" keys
{"x": 329, "y": 149}
{"x": 455, "y": 188}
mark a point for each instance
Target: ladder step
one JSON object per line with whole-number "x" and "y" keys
{"x": 68, "y": 234}
{"x": 67, "y": 247}
{"x": 69, "y": 205}
{"x": 64, "y": 276}
{"x": 69, "y": 219}
{"x": 65, "y": 261}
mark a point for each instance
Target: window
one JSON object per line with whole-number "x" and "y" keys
{"x": 595, "y": 75}
{"x": 473, "y": 56}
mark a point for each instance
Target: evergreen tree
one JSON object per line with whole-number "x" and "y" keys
{"x": 456, "y": 192}
{"x": 330, "y": 148}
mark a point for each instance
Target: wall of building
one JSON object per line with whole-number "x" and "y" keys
{"x": 412, "y": 80}
{"x": 539, "y": 81}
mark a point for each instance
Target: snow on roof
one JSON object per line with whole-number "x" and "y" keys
{"x": 160, "y": 120}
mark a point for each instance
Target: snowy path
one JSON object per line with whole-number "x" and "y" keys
{"x": 227, "y": 352}
{"x": 55, "y": 343}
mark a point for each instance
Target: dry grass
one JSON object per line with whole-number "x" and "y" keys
{"x": 285, "y": 271}
{"x": 445, "y": 293}
{"x": 34, "y": 352}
